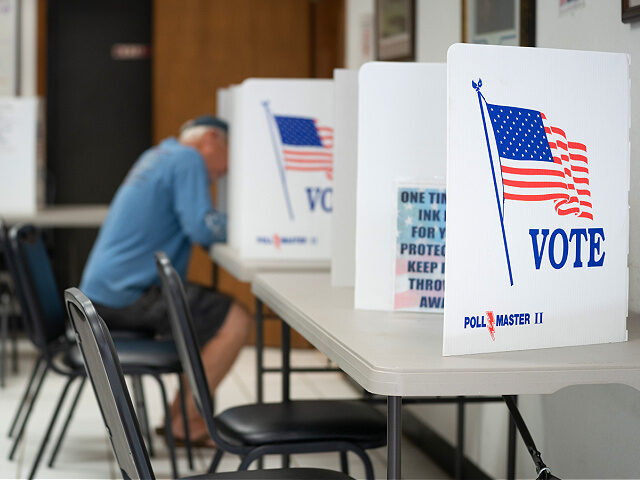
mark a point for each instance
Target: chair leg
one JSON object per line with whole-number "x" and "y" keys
{"x": 4, "y": 333}
{"x": 216, "y": 460}
{"x": 25, "y": 396}
{"x": 368, "y": 467}
{"x": 141, "y": 410}
{"x": 344, "y": 464}
{"x": 167, "y": 426}
{"x": 25, "y": 419}
{"x": 63, "y": 432}
{"x": 185, "y": 423}
{"x": 52, "y": 422}
{"x": 14, "y": 344}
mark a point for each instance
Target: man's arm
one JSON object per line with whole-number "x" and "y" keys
{"x": 202, "y": 223}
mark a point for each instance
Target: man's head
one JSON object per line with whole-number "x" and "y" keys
{"x": 208, "y": 135}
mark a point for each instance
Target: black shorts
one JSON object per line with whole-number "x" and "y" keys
{"x": 149, "y": 313}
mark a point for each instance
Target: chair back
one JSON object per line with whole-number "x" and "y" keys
{"x": 104, "y": 371}
{"x": 12, "y": 268}
{"x": 40, "y": 294}
{"x": 185, "y": 339}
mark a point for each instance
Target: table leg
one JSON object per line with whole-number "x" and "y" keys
{"x": 394, "y": 437}
{"x": 259, "y": 349}
{"x": 460, "y": 440}
{"x": 511, "y": 455}
{"x": 286, "y": 374}
{"x": 259, "y": 359}
{"x": 286, "y": 362}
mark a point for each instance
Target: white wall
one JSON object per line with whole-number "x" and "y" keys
{"x": 438, "y": 25}
{"x": 583, "y": 431}
{"x": 359, "y": 33}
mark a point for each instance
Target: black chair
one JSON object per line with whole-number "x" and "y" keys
{"x": 107, "y": 379}
{"x": 252, "y": 431}
{"x": 43, "y": 308}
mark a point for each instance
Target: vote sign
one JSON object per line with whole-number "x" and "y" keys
{"x": 281, "y": 169}
{"x": 537, "y": 184}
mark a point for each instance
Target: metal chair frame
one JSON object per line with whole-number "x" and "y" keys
{"x": 187, "y": 346}
{"x": 48, "y": 334}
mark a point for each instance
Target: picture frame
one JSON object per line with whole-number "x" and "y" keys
{"x": 630, "y": 11}
{"x": 499, "y": 22}
{"x": 395, "y": 30}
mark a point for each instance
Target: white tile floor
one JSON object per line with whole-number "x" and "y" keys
{"x": 86, "y": 452}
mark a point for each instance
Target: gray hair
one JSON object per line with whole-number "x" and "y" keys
{"x": 192, "y": 134}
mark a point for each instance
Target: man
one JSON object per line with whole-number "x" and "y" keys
{"x": 165, "y": 204}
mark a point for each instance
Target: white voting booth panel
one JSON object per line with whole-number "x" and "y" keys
{"x": 21, "y": 148}
{"x": 223, "y": 111}
{"x": 538, "y": 184}
{"x": 343, "y": 244}
{"x": 281, "y": 168}
{"x": 401, "y": 138}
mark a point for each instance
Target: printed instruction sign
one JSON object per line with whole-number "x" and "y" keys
{"x": 402, "y": 136}
{"x": 420, "y": 248}
{"x": 538, "y": 187}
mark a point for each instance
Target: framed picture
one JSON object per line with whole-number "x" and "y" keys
{"x": 395, "y": 29}
{"x": 630, "y": 11}
{"x": 499, "y": 22}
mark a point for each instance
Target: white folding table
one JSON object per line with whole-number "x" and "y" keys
{"x": 400, "y": 354}
{"x": 63, "y": 216}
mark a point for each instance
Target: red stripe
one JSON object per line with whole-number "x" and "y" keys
{"x": 547, "y": 130}
{"x": 562, "y": 145}
{"x": 309, "y": 169}
{"x": 586, "y": 215}
{"x": 532, "y": 171}
{"x": 534, "y": 198}
{"x": 328, "y": 129}
{"x": 304, "y": 160}
{"x": 579, "y": 169}
{"x": 557, "y": 160}
{"x": 514, "y": 183}
{"x": 586, "y": 204}
{"x": 568, "y": 212}
{"x": 581, "y": 180}
{"x": 558, "y": 131}
{"x": 578, "y": 146}
{"x": 575, "y": 156}
{"x": 584, "y": 192}
{"x": 542, "y": 115}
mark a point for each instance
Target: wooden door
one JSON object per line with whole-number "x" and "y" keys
{"x": 202, "y": 45}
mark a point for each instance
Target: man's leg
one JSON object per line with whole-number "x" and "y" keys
{"x": 218, "y": 355}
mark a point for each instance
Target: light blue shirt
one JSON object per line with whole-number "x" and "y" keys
{"x": 163, "y": 204}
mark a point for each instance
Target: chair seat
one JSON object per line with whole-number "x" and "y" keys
{"x": 304, "y": 421}
{"x": 137, "y": 352}
{"x": 275, "y": 474}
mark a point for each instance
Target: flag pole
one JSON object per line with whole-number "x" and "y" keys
{"x": 493, "y": 174}
{"x": 279, "y": 162}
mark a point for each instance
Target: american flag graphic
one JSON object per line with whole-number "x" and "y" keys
{"x": 539, "y": 163}
{"x": 306, "y": 146}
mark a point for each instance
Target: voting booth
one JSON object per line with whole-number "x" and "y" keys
{"x": 21, "y": 155}
{"x": 223, "y": 111}
{"x": 401, "y": 198}
{"x": 343, "y": 236}
{"x": 538, "y": 211}
{"x": 281, "y": 168}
